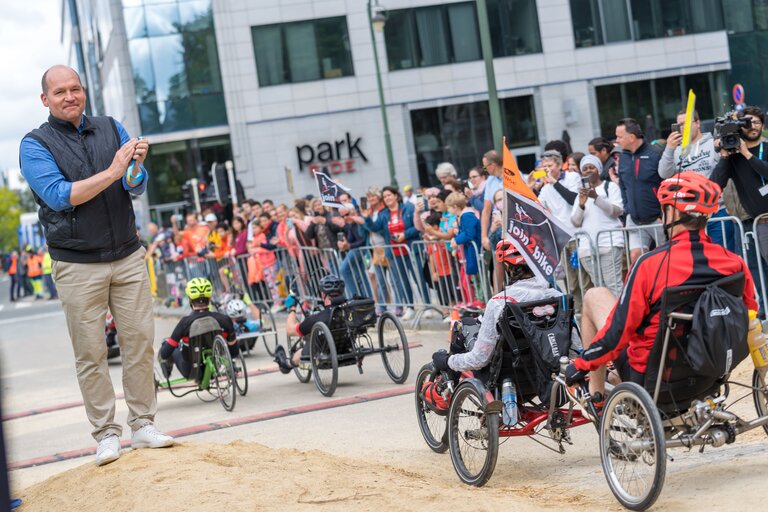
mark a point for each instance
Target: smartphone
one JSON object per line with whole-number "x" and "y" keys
{"x": 341, "y": 237}
{"x": 676, "y": 127}
{"x": 585, "y": 182}
{"x": 364, "y": 203}
{"x": 419, "y": 198}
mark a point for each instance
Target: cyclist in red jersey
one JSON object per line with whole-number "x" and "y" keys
{"x": 628, "y": 327}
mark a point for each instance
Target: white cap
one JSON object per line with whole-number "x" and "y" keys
{"x": 211, "y": 217}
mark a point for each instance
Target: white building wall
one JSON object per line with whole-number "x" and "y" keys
{"x": 268, "y": 123}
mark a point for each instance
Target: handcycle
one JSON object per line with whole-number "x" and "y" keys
{"x": 245, "y": 335}
{"x": 213, "y": 375}
{"x": 467, "y": 421}
{"x": 345, "y": 341}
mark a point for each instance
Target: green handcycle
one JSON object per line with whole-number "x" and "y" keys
{"x": 214, "y": 374}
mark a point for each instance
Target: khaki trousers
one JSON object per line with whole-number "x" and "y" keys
{"x": 86, "y": 289}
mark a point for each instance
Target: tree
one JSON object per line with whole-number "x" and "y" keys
{"x": 10, "y": 210}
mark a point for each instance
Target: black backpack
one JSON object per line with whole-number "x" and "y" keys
{"x": 717, "y": 341}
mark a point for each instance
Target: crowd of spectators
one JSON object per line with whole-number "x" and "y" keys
{"x": 425, "y": 245}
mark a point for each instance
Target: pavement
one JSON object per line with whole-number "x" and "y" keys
{"x": 368, "y": 418}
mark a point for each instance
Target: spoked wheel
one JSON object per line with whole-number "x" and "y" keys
{"x": 325, "y": 365}
{"x": 392, "y": 340}
{"x": 303, "y": 372}
{"x": 241, "y": 374}
{"x": 760, "y": 394}
{"x": 434, "y": 426}
{"x": 224, "y": 374}
{"x": 632, "y": 447}
{"x": 268, "y": 328}
{"x": 473, "y": 436}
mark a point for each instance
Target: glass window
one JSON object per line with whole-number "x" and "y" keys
{"x": 615, "y": 20}
{"x": 143, "y": 74}
{"x": 702, "y": 88}
{"x": 514, "y": 26}
{"x": 174, "y": 59}
{"x": 519, "y": 121}
{"x": 669, "y": 101}
{"x": 644, "y": 17}
{"x": 400, "y": 39}
{"x": 135, "y": 24}
{"x": 585, "y": 15}
{"x": 433, "y": 37}
{"x": 610, "y": 108}
{"x": 162, "y": 19}
{"x": 302, "y": 51}
{"x": 460, "y": 134}
{"x": 334, "y": 51}
{"x": 705, "y": 15}
{"x": 738, "y": 15}
{"x": 465, "y": 39}
{"x": 760, "y": 10}
{"x": 270, "y": 61}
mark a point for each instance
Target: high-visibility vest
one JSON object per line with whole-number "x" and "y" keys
{"x": 12, "y": 268}
{"x": 47, "y": 263}
{"x": 33, "y": 266}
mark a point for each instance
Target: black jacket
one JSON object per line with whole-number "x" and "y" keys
{"x": 639, "y": 181}
{"x": 104, "y": 228}
{"x": 749, "y": 176}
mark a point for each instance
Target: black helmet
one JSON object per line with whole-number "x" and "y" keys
{"x": 332, "y": 285}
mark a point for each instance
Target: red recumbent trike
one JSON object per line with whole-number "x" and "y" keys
{"x": 464, "y": 414}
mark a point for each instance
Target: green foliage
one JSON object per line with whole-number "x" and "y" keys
{"x": 10, "y": 209}
{"x": 27, "y": 201}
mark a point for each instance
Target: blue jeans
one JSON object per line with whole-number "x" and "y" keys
{"x": 400, "y": 266}
{"x": 353, "y": 272}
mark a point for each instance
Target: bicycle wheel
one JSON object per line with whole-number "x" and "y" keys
{"x": 632, "y": 449}
{"x": 392, "y": 341}
{"x": 760, "y": 394}
{"x": 322, "y": 354}
{"x": 434, "y": 427}
{"x": 241, "y": 374}
{"x": 268, "y": 328}
{"x": 473, "y": 435}
{"x": 224, "y": 374}
{"x": 303, "y": 372}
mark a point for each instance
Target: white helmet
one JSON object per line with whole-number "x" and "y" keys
{"x": 236, "y": 308}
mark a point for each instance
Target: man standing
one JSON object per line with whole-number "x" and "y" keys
{"x": 638, "y": 180}
{"x": 701, "y": 158}
{"x": 493, "y": 165}
{"x": 77, "y": 168}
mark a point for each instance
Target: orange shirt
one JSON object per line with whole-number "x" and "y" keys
{"x": 33, "y": 266}
{"x": 12, "y": 268}
{"x": 255, "y": 270}
{"x": 440, "y": 259}
{"x": 193, "y": 240}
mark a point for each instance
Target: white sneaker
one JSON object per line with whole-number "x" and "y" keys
{"x": 409, "y": 313}
{"x": 108, "y": 449}
{"x": 430, "y": 313}
{"x": 447, "y": 319}
{"x": 149, "y": 437}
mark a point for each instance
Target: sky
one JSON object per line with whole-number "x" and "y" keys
{"x": 30, "y": 35}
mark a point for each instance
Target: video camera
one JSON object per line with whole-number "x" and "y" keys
{"x": 728, "y": 130}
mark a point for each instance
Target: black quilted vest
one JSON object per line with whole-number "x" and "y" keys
{"x": 104, "y": 228}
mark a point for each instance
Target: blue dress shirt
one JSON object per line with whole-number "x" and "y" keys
{"x": 44, "y": 177}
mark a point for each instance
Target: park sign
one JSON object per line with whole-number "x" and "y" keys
{"x": 329, "y": 190}
{"x": 533, "y": 230}
{"x": 332, "y": 157}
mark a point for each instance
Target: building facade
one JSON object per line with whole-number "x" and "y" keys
{"x": 285, "y": 87}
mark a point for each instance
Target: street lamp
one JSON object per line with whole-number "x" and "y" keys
{"x": 376, "y": 21}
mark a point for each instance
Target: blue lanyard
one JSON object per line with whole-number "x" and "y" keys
{"x": 760, "y": 157}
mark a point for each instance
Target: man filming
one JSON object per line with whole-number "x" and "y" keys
{"x": 746, "y": 166}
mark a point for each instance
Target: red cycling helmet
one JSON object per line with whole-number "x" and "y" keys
{"x": 506, "y": 252}
{"x": 432, "y": 396}
{"x": 690, "y": 192}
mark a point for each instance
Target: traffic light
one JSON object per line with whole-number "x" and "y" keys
{"x": 221, "y": 183}
{"x": 187, "y": 194}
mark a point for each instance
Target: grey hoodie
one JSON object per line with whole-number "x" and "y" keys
{"x": 703, "y": 158}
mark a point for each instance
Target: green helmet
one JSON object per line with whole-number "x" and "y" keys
{"x": 199, "y": 288}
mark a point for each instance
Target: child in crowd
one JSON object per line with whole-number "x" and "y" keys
{"x": 466, "y": 243}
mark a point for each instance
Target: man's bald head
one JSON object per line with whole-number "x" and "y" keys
{"x": 57, "y": 69}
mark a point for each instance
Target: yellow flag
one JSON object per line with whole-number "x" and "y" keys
{"x": 688, "y": 120}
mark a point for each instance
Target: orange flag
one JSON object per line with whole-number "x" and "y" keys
{"x": 513, "y": 180}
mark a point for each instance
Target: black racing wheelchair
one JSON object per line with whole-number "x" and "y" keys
{"x": 674, "y": 407}
{"x": 346, "y": 341}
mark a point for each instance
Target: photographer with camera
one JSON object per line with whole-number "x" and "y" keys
{"x": 701, "y": 158}
{"x": 742, "y": 159}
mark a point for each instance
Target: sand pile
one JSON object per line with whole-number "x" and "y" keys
{"x": 244, "y": 476}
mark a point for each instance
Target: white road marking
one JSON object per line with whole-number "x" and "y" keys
{"x": 22, "y": 305}
{"x": 28, "y": 318}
